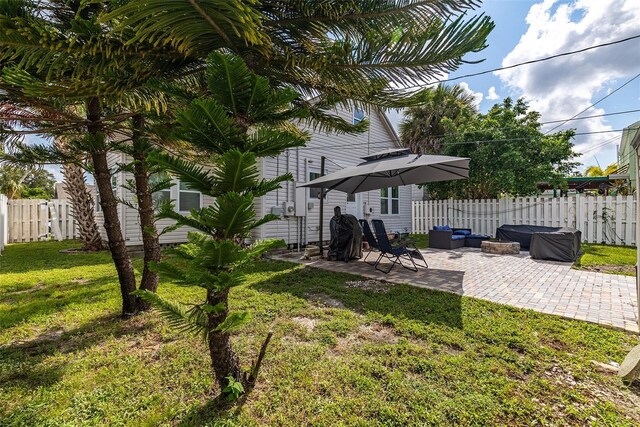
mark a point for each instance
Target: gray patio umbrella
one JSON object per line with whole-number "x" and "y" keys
{"x": 389, "y": 168}
{"x": 393, "y": 168}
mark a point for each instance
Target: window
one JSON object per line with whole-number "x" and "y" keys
{"x": 188, "y": 199}
{"x": 351, "y": 197}
{"x": 358, "y": 115}
{"x": 314, "y": 193}
{"x": 159, "y": 196}
{"x": 390, "y": 201}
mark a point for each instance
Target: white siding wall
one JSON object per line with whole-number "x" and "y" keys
{"x": 340, "y": 151}
{"x": 133, "y": 233}
{"x": 113, "y": 159}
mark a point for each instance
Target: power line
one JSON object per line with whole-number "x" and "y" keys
{"x": 590, "y": 117}
{"x": 573, "y": 52}
{"x": 594, "y": 104}
{"x": 359, "y": 144}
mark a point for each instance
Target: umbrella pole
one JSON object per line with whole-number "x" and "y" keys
{"x": 321, "y": 228}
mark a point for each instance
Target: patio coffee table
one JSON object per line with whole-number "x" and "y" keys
{"x": 500, "y": 248}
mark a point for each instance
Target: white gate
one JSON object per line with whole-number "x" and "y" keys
{"x": 30, "y": 220}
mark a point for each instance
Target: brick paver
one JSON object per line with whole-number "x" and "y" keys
{"x": 517, "y": 280}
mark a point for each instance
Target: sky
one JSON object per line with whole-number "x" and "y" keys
{"x": 561, "y": 88}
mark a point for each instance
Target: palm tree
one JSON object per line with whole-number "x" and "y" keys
{"x": 81, "y": 202}
{"x": 597, "y": 170}
{"x": 424, "y": 125}
{"x": 332, "y": 52}
{"x": 241, "y": 119}
{"x": 65, "y": 78}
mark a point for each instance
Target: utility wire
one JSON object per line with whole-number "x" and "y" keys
{"x": 359, "y": 144}
{"x": 594, "y": 104}
{"x": 573, "y": 52}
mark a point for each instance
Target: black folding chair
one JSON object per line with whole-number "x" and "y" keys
{"x": 395, "y": 255}
{"x": 370, "y": 239}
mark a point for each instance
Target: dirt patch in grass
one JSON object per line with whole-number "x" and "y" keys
{"x": 369, "y": 285}
{"x": 307, "y": 322}
{"x": 597, "y": 392}
{"x": 629, "y": 270}
{"x": 325, "y": 300}
{"x": 366, "y": 333}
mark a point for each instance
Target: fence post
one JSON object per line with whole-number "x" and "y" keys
{"x": 4, "y": 222}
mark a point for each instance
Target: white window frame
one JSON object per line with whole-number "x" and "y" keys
{"x": 166, "y": 190}
{"x": 315, "y": 190}
{"x": 177, "y": 197}
{"x": 389, "y": 201}
{"x": 357, "y": 120}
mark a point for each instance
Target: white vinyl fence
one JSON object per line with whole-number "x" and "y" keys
{"x": 30, "y": 220}
{"x": 605, "y": 219}
{"x": 4, "y": 222}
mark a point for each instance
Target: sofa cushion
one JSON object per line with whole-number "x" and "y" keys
{"x": 442, "y": 228}
{"x": 462, "y": 232}
{"x": 478, "y": 236}
{"x": 457, "y": 237}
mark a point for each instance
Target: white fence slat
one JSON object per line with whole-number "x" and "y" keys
{"x": 4, "y": 222}
{"x": 599, "y": 218}
{"x": 30, "y": 220}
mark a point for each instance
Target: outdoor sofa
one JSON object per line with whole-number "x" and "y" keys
{"x": 445, "y": 237}
{"x": 549, "y": 243}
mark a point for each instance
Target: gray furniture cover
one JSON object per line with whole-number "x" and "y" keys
{"x": 561, "y": 245}
{"x": 521, "y": 233}
{"x": 346, "y": 238}
{"x": 551, "y": 243}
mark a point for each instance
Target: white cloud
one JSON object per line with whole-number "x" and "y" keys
{"x": 55, "y": 170}
{"x": 491, "y": 94}
{"x": 560, "y": 88}
{"x": 477, "y": 96}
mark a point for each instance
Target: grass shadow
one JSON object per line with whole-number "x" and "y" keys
{"x": 42, "y": 299}
{"x": 424, "y": 305}
{"x": 27, "y": 363}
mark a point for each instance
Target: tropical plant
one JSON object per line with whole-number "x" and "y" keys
{"x": 597, "y": 170}
{"x": 423, "y": 127}
{"x": 342, "y": 51}
{"x": 509, "y": 154}
{"x": 66, "y": 75}
{"x": 81, "y": 201}
{"x": 18, "y": 182}
{"x": 241, "y": 119}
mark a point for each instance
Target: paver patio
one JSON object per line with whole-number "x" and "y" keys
{"x": 517, "y": 280}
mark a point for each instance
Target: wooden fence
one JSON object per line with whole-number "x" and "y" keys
{"x": 601, "y": 219}
{"x": 4, "y": 222}
{"x": 30, "y": 220}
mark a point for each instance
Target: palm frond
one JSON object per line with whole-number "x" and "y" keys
{"x": 190, "y": 173}
{"x": 178, "y": 316}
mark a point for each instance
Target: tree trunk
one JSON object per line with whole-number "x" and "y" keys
{"x": 82, "y": 206}
{"x": 109, "y": 205}
{"x": 150, "y": 238}
{"x": 223, "y": 359}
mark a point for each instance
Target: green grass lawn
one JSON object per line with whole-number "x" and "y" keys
{"x": 608, "y": 259}
{"x": 343, "y": 353}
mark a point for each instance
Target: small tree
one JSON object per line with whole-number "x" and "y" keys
{"x": 509, "y": 154}
{"x": 241, "y": 119}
